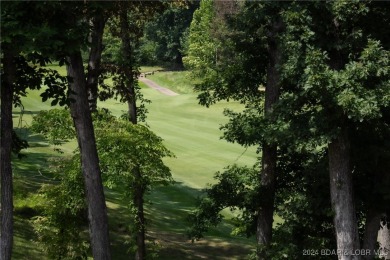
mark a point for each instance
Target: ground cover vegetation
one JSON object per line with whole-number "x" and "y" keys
{"x": 311, "y": 81}
{"x": 131, "y": 160}
{"x": 166, "y": 207}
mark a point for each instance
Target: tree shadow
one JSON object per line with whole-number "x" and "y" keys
{"x": 167, "y": 210}
{"x": 34, "y": 140}
{"x": 33, "y": 167}
{"x": 30, "y": 173}
{"x": 24, "y": 246}
{"x": 20, "y": 113}
{"x": 176, "y": 247}
{"x": 25, "y": 112}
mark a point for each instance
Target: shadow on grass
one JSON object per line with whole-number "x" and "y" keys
{"x": 30, "y": 172}
{"x": 166, "y": 213}
{"x": 34, "y": 140}
{"x": 166, "y": 210}
{"x": 24, "y": 246}
{"x": 19, "y": 115}
{"x": 170, "y": 205}
{"x": 25, "y": 112}
{"x": 169, "y": 222}
{"x": 118, "y": 218}
{"x": 173, "y": 247}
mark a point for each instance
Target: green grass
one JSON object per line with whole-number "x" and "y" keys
{"x": 191, "y": 132}
{"x": 150, "y": 68}
{"x": 177, "y": 81}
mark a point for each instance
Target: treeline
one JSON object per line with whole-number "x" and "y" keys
{"x": 315, "y": 80}
{"x": 105, "y": 36}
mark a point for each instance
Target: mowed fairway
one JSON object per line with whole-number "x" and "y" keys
{"x": 192, "y": 133}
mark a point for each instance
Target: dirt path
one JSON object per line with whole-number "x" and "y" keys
{"x": 157, "y": 87}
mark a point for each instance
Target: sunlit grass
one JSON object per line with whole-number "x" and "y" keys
{"x": 190, "y": 131}
{"x": 150, "y": 68}
{"x": 177, "y": 81}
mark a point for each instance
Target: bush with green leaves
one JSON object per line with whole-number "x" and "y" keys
{"x": 62, "y": 227}
{"x": 55, "y": 124}
{"x": 236, "y": 189}
{"x": 131, "y": 160}
{"x": 123, "y": 147}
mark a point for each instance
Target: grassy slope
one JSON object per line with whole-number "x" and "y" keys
{"x": 191, "y": 132}
{"x": 177, "y": 81}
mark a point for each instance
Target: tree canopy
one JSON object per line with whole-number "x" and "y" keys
{"x": 313, "y": 83}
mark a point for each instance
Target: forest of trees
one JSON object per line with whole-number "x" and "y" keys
{"x": 314, "y": 81}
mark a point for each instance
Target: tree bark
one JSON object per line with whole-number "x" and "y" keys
{"x": 384, "y": 239}
{"x": 95, "y": 54}
{"x": 138, "y": 188}
{"x": 138, "y": 201}
{"x": 341, "y": 189}
{"x": 269, "y": 157}
{"x": 6, "y": 237}
{"x": 130, "y": 95}
{"x": 266, "y": 209}
{"x": 97, "y": 212}
{"x": 372, "y": 227}
{"x": 128, "y": 67}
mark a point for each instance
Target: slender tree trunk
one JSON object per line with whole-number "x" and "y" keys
{"x": 341, "y": 190}
{"x": 98, "y": 22}
{"x": 132, "y": 112}
{"x": 6, "y": 237}
{"x": 266, "y": 210}
{"x": 371, "y": 233}
{"x": 138, "y": 187}
{"x": 269, "y": 157}
{"x": 97, "y": 212}
{"x": 128, "y": 67}
{"x": 138, "y": 201}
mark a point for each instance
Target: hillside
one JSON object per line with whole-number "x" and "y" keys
{"x": 191, "y": 132}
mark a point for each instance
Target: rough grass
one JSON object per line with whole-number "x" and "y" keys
{"x": 177, "y": 81}
{"x": 151, "y": 68}
{"x": 191, "y": 132}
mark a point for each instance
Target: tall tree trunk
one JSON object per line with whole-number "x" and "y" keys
{"x": 341, "y": 190}
{"x": 132, "y": 102}
{"x": 138, "y": 201}
{"x": 6, "y": 237}
{"x": 384, "y": 239}
{"x": 97, "y": 212}
{"x": 340, "y": 175}
{"x": 95, "y": 54}
{"x": 128, "y": 66}
{"x": 269, "y": 157}
{"x": 138, "y": 188}
{"x": 266, "y": 210}
{"x": 372, "y": 227}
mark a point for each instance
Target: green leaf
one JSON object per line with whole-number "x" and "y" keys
{"x": 54, "y": 102}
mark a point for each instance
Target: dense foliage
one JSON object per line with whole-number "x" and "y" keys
{"x": 326, "y": 86}
{"x": 314, "y": 80}
{"x": 62, "y": 226}
{"x": 166, "y": 35}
